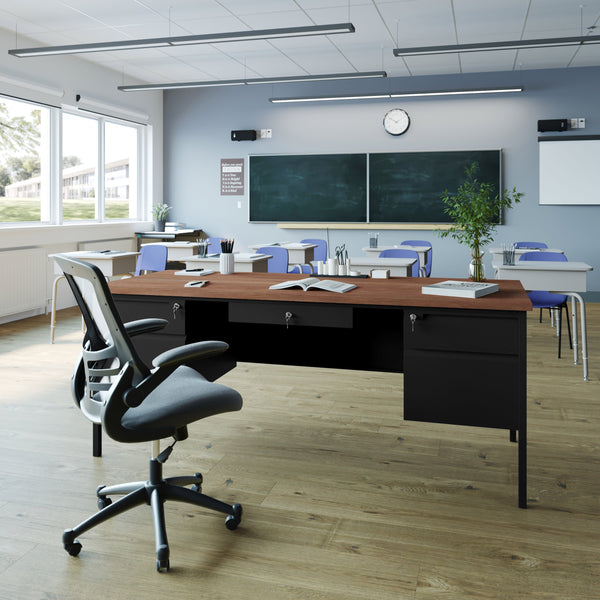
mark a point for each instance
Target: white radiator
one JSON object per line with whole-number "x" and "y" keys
{"x": 22, "y": 280}
{"x": 124, "y": 244}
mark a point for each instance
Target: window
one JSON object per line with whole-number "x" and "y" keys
{"x": 24, "y": 161}
{"x": 120, "y": 171}
{"x": 79, "y": 168}
{"x": 100, "y": 178}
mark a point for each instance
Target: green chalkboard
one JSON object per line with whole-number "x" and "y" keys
{"x": 316, "y": 187}
{"x": 407, "y": 187}
{"x": 403, "y": 187}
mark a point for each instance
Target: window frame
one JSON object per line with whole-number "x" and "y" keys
{"x": 54, "y": 207}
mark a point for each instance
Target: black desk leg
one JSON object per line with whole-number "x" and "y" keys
{"x": 523, "y": 467}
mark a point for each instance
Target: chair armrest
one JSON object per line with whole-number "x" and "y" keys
{"x": 178, "y": 356}
{"x": 144, "y": 326}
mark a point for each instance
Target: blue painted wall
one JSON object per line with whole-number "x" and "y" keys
{"x": 197, "y": 126}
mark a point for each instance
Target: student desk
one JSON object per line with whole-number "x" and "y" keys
{"x": 177, "y": 251}
{"x": 299, "y": 253}
{"x": 567, "y": 278}
{"x": 243, "y": 262}
{"x": 451, "y": 350}
{"x": 398, "y": 267}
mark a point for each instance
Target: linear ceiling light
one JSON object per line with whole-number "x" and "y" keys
{"x": 488, "y": 46}
{"x": 395, "y": 95}
{"x": 216, "y": 38}
{"x": 226, "y": 82}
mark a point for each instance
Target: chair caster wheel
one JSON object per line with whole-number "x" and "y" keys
{"x": 71, "y": 545}
{"x": 162, "y": 566}
{"x": 197, "y": 487}
{"x": 232, "y": 521}
{"x": 162, "y": 559}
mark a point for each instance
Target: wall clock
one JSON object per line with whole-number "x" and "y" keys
{"x": 396, "y": 121}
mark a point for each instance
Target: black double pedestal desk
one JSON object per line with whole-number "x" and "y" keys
{"x": 464, "y": 360}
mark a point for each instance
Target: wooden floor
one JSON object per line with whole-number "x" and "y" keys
{"x": 343, "y": 500}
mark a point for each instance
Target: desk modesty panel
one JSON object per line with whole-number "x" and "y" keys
{"x": 450, "y": 350}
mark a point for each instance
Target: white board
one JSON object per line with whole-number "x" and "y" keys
{"x": 570, "y": 171}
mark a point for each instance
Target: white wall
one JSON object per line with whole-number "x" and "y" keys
{"x": 197, "y": 135}
{"x": 73, "y": 75}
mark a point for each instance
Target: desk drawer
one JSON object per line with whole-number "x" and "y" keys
{"x": 304, "y": 315}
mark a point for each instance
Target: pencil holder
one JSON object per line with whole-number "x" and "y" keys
{"x": 227, "y": 262}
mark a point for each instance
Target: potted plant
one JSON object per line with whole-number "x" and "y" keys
{"x": 160, "y": 212}
{"x": 474, "y": 210}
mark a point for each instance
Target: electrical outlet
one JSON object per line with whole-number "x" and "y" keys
{"x": 573, "y": 123}
{"x": 580, "y": 123}
{"x": 266, "y": 133}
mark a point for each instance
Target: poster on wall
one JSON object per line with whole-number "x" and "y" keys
{"x": 232, "y": 177}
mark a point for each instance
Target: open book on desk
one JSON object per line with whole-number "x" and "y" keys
{"x": 312, "y": 283}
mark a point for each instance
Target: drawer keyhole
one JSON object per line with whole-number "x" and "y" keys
{"x": 288, "y": 317}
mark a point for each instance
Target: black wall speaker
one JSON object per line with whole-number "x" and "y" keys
{"x": 243, "y": 135}
{"x": 553, "y": 125}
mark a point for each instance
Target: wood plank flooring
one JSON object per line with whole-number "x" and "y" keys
{"x": 343, "y": 499}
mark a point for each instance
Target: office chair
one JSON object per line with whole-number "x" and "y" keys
{"x": 553, "y": 302}
{"x": 428, "y": 255}
{"x": 402, "y": 253}
{"x": 279, "y": 261}
{"x": 530, "y": 245}
{"x": 152, "y": 258}
{"x": 136, "y": 403}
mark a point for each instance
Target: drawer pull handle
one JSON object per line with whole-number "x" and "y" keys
{"x": 288, "y": 316}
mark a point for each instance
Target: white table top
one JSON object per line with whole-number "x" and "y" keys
{"x": 172, "y": 244}
{"x": 287, "y": 245}
{"x": 239, "y": 257}
{"x": 111, "y": 263}
{"x": 552, "y": 276}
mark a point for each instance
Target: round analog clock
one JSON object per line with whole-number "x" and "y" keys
{"x": 396, "y": 121}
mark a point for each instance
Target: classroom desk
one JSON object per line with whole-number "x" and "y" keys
{"x": 298, "y": 253}
{"x": 243, "y": 262}
{"x": 177, "y": 251}
{"x": 451, "y": 350}
{"x": 190, "y": 235}
{"x": 420, "y": 250}
{"x": 399, "y": 267}
{"x": 498, "y": 256}
{"x": 112, "y": 264}
{"x": 567, "y": 278}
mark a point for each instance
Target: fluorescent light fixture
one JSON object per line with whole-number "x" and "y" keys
{"x": 213, "y": 38}
{"x": 105, "y": 108}
{"x": 489, "y": 46}
{"x": 227, "y": 82}
{"x": 328, "y": 98}
{"x": 457, "y": 92}
{"x": 395, "y": 95}
{"x": 31, "y": 85}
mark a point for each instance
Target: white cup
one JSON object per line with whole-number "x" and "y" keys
{"x": 226, "y": 263}
{"x": 332, "y": 266}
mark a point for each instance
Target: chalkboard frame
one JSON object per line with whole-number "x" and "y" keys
{"x": 366, "y": 188}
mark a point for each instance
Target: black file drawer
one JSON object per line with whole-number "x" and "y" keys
{"x": 291, "y": 314}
